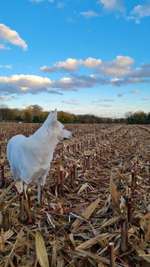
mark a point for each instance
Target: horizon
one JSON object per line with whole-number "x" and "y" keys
{"x": 82, "y": 58}
{"x": 22, "y": 109}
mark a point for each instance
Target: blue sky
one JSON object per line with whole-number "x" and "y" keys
{"x": 79, "y": 56}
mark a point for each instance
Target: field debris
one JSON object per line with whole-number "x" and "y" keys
{"x": 96, "y": 203}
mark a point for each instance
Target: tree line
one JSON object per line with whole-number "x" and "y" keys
{"x": 139, "y": 117}
{"x": 36, "y": 114}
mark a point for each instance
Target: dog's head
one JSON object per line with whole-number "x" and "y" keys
{"x": 57, "y": 127}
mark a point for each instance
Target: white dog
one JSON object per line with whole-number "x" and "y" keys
{"x": 30, "y": 157}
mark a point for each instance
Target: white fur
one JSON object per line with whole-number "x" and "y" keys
{"x": 30, "y": 157}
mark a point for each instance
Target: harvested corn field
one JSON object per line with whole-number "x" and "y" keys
{"x": 96, "y": 203}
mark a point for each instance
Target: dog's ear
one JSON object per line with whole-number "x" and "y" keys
{"x": 52, "y": 117}
{"x": 55, "y": 115}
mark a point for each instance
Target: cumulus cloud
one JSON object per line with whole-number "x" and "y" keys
{"x": 112, "y": 5}
{"x": 73, "y": 83}
{"x": 142, "y": 71}
{"x": 140, "y": 11}
{"x": 20, "y": 84}
{"x": 72, "y": 64}
{"x": 89, "y": 14}
{"x": 120, "y": 66}
{"x": 76, "y": 82}
{"x": 91, "y": 62}
{"x": 118, "y": 72}
{"x": 134, "y": 76}
{"x": 11, "y": 36}
{"x": 127, "y": 80}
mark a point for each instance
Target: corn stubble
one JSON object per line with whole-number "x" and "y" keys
{"x": 96, "y": 209}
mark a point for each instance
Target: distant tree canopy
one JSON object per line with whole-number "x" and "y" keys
{"x": 35, "y": 113}
{"x": 138, "y": 117}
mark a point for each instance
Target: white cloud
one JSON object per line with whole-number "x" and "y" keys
{"x": 72, "y": 64}
{"x": 124, "y": 61}
{"x": 69, "y": 64}
{"x": 140, "y": 11}
{"x": 46, "y": 69}
{"x": 9, "y": 67}
{"x": 141, "y": 72}
{"x": 112, "y": 5}
{"x": 118, "y": 72}
{"x": 76, "y": 82}
{"x": 120, "y": 66}
{"x": 91, "y": 62}
{"x": 65, "y": 82}
{"x": 11, "y": 36}
{"x": 24, "y": 83}
{"x": 89, "y": 14}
